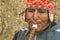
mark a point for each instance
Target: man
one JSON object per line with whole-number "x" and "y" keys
{"x": 40, "y": 18}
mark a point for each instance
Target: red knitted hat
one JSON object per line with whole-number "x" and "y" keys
{"x": 41, "y": 4}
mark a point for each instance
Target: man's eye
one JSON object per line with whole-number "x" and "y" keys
{"x": 42, "y": 11}
{"x": 31, "y": 10}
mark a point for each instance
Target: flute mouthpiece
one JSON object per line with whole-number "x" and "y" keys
{"x": 34, "y": 25}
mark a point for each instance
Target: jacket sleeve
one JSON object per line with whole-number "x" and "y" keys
{"x": 54, "y": 33}
{"x": 57, "y": 35}
{"x": 57, "y": 32}
{"x": 15, "y": 36}
{"x": 18, "y": 35}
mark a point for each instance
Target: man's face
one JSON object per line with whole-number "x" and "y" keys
{"x": 37, "y": 16}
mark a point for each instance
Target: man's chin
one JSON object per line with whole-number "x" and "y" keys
{"x": 38, "y": 30}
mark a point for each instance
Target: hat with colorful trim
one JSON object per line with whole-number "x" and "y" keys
{"x": 40, "y": 4}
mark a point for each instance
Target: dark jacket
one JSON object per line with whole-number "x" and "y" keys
{"x": 52, "y": 33}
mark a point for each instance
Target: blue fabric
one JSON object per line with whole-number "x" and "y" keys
{"x": 49, "y": 34}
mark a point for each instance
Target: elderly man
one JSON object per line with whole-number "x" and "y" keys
{"x": 39, "y": 15}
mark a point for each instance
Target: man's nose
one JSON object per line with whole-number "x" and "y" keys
{"x": 35, "y": 15}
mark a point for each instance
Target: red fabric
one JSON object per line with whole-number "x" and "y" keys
{"x": 41, "y": 3}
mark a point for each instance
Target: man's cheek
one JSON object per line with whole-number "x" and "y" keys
{"x": 44, "y": 18}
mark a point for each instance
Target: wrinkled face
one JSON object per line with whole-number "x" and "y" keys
{"x": 37, "y": 16}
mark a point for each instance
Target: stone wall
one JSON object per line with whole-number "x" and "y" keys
{"x": 11, "y": 19}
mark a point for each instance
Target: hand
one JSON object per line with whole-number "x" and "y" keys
{"x": 31, "y": 34}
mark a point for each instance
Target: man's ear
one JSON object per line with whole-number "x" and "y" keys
{"x": 51, "y": 17}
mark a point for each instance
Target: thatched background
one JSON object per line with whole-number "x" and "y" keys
{"x": 11, "y": 20}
